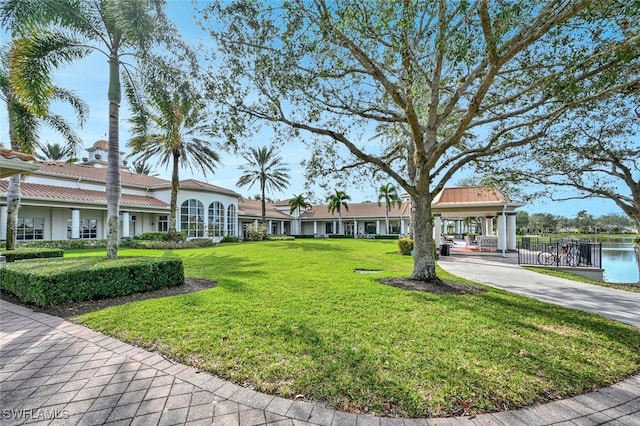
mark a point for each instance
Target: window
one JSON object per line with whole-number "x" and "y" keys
{"x": 232, "y": 220}
{"x": 163, "y": 223}
{"x": 192, "y": 218}
{"x": 88, "y": 228}
{"x": 216, "y": 219}
{"x": 30, "y": 228}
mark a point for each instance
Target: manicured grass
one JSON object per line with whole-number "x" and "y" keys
{"x": 292, "y": 318}
{"x": 578, "y": 278}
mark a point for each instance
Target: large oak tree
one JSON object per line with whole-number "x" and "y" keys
{"x": 419, "y": 89}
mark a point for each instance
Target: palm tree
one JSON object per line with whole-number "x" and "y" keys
{"x": 24, "y": 128}
{"x": 298, "y": 202}
{"x": 143, "y": 168}
{"x": 54, "y": 152}
{"x": 58, "y": 32}
{"x": 336, "y": 202}
{"x": 389, "y": 194}
{"x": 171, "y": 124}
{"x": 264, "y": 166}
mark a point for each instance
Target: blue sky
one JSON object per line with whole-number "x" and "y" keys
{"x": 88, "y": 78}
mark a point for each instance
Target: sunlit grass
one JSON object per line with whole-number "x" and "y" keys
{"x": 293, "y": 318}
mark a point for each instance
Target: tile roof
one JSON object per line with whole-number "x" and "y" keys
{"x": 61, "y": 193}
{"x": 62, "y": 168}
{"x": 10, "y": 155}
{"x": 470, "y": 195}
{"x": 358, "y": 210}
{"x": 196, "y": 184}
{"x": 247, "y": 207}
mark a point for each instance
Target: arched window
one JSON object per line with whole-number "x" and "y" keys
{"x": 192, "y": 218}
{"x": 232, "y": 220}
{"x": 216, "y": 219}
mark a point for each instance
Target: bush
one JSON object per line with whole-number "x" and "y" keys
{"x": 405, "y": 245}
{"x": 256, "y": 231}
{"x": 51, "y": 281}
{"x": 340, "y": 236}
{"x": 64, "y": 244}
{"x": 280, "y": 237}
{"x": 167, "y": 245}
{"x": 229, "y": 239}
{"x": 386, "y": 237}
{"x": 160, "y": 236}
{"x": 31, "y": 253}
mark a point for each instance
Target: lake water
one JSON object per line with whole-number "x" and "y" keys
{"x": 619, "y": 262}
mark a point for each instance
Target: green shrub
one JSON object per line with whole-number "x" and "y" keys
{"x": 229, "y": 239}
{"x": 280, "y": 237}
{"x": 340, "y": 236}
{"x": 31, "y": 253}
{"x": 51, "y": 281}
{"x": 160, "y": 236}
{"x": 167, "y": 245}
{"x": 405, "y": 245}
{"x": 386, "y": 237}
{"x": 64, "y": 244}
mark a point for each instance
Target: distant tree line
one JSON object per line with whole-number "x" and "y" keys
{"x": 583, "y": 222}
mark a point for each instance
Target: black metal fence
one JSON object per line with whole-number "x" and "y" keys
{"x": 560, "y": 253}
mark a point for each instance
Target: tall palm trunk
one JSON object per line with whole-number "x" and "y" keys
{"x": 175, "y": 184}
{"x": 13, "y": 192}
{"x": 386, "y": 216}
{"x": 340, "y": 230}
{"x": 263, "y": 183}
{"x": 113, "y": 188}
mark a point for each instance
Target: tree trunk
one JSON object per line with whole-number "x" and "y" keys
{"x": 636, "y": 245}
{"x": 263, "y": 202}
{"x": 386, "y": 218}
{"x": 424, "y": 261}
{"x": 175, "y": 186}
{"x": 113, "y": 188}
{"x": 13, "y": 191}
{"x": 13, "y": 204}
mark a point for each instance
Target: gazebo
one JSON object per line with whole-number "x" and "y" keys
{"x": 456, "y": 204}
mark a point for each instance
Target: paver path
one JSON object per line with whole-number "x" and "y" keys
{"x": 59, "y": 373}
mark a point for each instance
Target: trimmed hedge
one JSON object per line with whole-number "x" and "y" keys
{"x": 31, "y": 253}
{"x": 280, "y": 237}
{"x": 50, "y": 281}
{"x": 167, "y": 245}
{"x": 64, "y": 244}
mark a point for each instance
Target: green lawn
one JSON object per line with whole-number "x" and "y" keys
{"x": 293, "y": 318}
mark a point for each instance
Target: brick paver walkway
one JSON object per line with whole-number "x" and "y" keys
{"x": 59, "y": 373}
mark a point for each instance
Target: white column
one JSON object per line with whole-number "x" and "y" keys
{"x": 511, "y": 231}
{"x": 488, "y": 224}
{"x": 282, "y": 227}
{"x": 377, "y": 226}
{"x": 315, "y": 228}
{"x": 125, "y": 224}
{"x": 502, "y": 231}
{"x": 3, "y": 222}
{"x": 437, "y": 230}
{"x": 75, "y": 224}
{"x": 402, "y": 229}
{"x": 269, "y": 227}
{"x": 355, "y": 228}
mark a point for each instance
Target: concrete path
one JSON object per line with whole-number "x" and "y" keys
{"x": 54, "y": 372}
{"x": 506, "y": 274}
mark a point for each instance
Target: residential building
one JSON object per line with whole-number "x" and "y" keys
{"x": 61, "y": 200}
